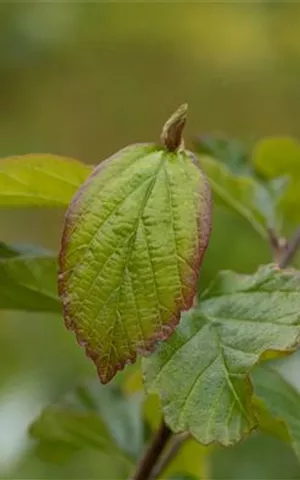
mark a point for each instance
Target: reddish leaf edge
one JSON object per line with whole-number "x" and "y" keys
{"x": 204, "y": 228}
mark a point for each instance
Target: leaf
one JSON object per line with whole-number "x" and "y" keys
{"x": 7, "y": 251}
{"x": 89, "y": 418}
{"x": 121, "y": 415}
{"x": 281, "y": 400}
{"x": 280, "y": 158}
{"x": 202, "y": 372}
{"x": 229, "y": 151}
{"x": 268, "y": 423}
{"x": 133, "y": 242}
{"x": 39, "y": 180}
{"x": 277, "y": 156}
{"x": 28, "y": 280}
{"x": 242, "y": 194}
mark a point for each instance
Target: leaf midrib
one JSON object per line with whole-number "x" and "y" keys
{"x": 129, "y": 255}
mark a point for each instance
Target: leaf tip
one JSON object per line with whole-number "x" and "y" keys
{"x": 171, "y": 135}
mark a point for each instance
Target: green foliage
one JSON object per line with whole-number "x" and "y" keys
{"x": 282, "y": 403}
{"x": 230, "y": 152}
{"x": 91, "y": 418}
{"x": 132, "y": 246}
{"x": 39, "y": 180}
{"x": 134, "y": 237}
{"x": 28, "y": 280}
{"x": 202, "y": 372}
{"x": 242, "y": 194}
{"x": 280, "y": 158}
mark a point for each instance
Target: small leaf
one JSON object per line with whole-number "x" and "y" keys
{"x": 279, "y": 158}
{"x": 242, "y": 194}
{"x": 8, "y": 251}
{"x": 28, "y": 280}
{"x": 39, "y": 180}
{"x": 202, "y": 372}
{"x": 281, "y": 400}
{"x": 83, "y": 420}
{"x": 133, "y": 242}
{"x": 227, "y": 150}
{"x": 121, "y": 415}
{"x": 267, "y": 423}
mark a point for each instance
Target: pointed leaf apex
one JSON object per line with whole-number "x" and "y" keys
{"x": 171, "y": 135}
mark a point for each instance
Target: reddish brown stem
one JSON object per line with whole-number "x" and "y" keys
{"x": 153, "y": 452}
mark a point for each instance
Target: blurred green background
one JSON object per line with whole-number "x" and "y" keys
{"x": 85, "y": 79}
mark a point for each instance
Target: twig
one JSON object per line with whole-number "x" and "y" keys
{"x": 278, "y": 245}
{"x": 290, "y": 250}
{"x": 154, "y": 449}
{"x": 166, "y": 458}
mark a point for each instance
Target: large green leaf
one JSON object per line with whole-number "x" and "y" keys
{"x": 133, "y": 242}
{"x": 242, "y": 194}
{"x": 91, "y": 418}
{"x": 280, "y": 157}
{"x": 28, "y": 280}
{"x": 281, "y": 400}
{"x": 39, "y": 180}
{"x": 202, "y": 372}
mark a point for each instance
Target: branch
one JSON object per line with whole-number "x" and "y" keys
{"x": 154, "y": 449}
{"x": 290, "y": 250}
{"x": 175, "y": 445}
{"x": 283, "y": 250}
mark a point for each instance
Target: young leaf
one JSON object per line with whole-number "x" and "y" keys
{"x": 228, "y": 151}
{"x": 277, "y": 156}
{"x": 281, "y": 400}
{"x": 85, "y": 420}
{"x": 280, "y": 158}
{"x": 242, "y": 194}
{"x": 267, "y": 422}
{"x": 39, "y": 180}
{"x": 202, "y": 372}
{"x": 133, "y": 242}
{"x": 122, "y": 415}
{"x": 28, "y": 280}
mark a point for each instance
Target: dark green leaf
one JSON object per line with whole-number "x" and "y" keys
{"x": 91, "y": 418}
{"x": 122, "y": 416}
{"x": 202, "y": 372}
{"x": 28, "y": 280}
{"x": 267, "y": 422}
{"x": 282, "y": 402}
{"x": 8, "y": 251}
